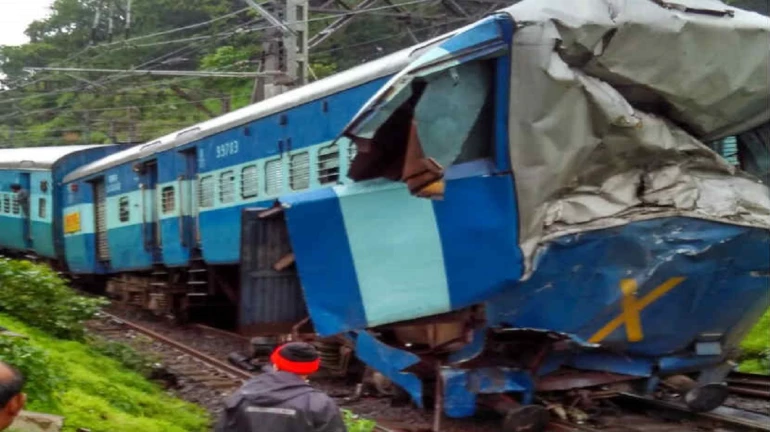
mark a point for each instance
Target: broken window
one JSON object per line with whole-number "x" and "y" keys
{"x": 753, "y": 148}
{"x": 439, "y": 117}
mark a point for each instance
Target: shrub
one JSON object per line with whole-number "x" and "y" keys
{"x": 35, "y": 294}
{"x": 357, "y": 424}
{"x": 756, "y": 348}
{"x": 43, "y": 378}
{"x": 124, "y": 354}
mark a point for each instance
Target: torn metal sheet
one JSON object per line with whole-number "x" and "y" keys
{"x": 619, "y": 94}
{"x": 610, "y": 103}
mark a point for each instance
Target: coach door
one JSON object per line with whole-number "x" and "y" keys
{"x": 151, "y": 199}
{"x": 100, "y": 218}
{"x": 24, "y": 207}
{"x": 189, "y": 233}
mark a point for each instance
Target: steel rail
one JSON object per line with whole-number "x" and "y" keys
{"x": 737, "y": 420}
{"x": 749, "y": 384}
{"x": 211, "y": 361}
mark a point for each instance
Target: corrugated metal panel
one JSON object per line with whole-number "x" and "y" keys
{"x": 100, "y": 198}
{"x": 270, "y": 300}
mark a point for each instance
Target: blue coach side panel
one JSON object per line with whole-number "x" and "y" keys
{"x": 285, "y": 153}
{"x": 157, "y": 202}
{"x": 39, "y": 171}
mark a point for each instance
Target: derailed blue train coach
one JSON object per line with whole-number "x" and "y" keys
{"x": 534, "y": 202}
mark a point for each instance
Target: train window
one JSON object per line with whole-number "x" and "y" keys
{"x": 249, "y": 182}
{"x": 226, "y": 187}
{"x": 41, "y": 210}
{"x": 6, "y": 204}
{"x": 167, "y": 199}
{"x": 206, "y": 192}
{"x": 15, "y": 205}
{"x": 300, "y": 171}
{"x": 328, "y": 164}
{"x": 123, "y": 211}
{"x": 273, "y": 177}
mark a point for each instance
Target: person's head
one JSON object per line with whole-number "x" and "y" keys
{"x": 11, "y": 398}
{"x": 15, "y": 187}
{"x": 296, "y": 357}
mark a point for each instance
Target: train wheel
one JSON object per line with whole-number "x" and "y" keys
{"x": 707, "y": 397}
{"x": 527, "y": 418}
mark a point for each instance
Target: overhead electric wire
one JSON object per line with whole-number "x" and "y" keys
{"x": 107, "y": 79}
{"x": 161, "y": 33}
{"x": 267, "y": 27}
{"x": 221, "y": 36}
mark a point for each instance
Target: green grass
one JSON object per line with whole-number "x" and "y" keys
{"x": 756, "y": 348}
{"x": 101, "y": 395}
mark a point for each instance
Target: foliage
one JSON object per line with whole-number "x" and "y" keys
{"x": 35, "y": 294}
{"x": 44, "y": 378}
{"x": 101, "y": 395}
{"x": 54, "y": 108}
{"x": 756, "y": 348}
{"x": 357, "y": 424}
{"x": 124, "y": 354}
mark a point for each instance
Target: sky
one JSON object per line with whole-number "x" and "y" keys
{"x": 15, "y": 16}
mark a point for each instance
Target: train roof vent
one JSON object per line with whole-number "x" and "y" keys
{"x": 188, "y": 132}
{"x": 152, "y": 144}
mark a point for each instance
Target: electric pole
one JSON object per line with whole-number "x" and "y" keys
{"x": 286, "y": 49}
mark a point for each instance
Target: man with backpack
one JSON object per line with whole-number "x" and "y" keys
{"x": 282, "y": 400}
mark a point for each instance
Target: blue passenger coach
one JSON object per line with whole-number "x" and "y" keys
{"x": 178, "y": 199}
{"x": 38, "y": 171}
{"x": 573, "y": 226}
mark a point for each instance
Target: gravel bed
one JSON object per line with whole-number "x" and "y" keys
{"x": 761, "y": 406}
{"x": 383, "y": 409}
{"x": 220, "y": 346}
{"x": 170, "y": 367}
{"x": 216, "y": 345}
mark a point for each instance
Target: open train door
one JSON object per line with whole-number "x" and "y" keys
{"x": 23, "y": 206}
{"x": 271, "y": 298}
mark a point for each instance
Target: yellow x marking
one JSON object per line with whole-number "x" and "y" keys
{"x": 631, "y": 308}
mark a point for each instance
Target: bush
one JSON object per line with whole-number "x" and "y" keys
{"x": 43, "y": 378}
{"x": 756, "y": 348}
{"x": 357, "y": 424}
{"x": 97, "y": 392}
{"x": 35, "y": 294}
{"x": 124, "y": 354}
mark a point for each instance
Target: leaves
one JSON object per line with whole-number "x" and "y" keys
{"x": 357, "y": 424}
{"x": 43, "y": 378}
{"x": 35, "y": 294}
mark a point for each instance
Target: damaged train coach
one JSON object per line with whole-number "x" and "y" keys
{"x": 536, "y": 209}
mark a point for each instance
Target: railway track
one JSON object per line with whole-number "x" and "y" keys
{"x": 643, "y": 413}
{"x": 188, "y": 362}
{"x": 746, "y": 384}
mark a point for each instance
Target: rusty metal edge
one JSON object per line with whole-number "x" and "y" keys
{"x": 232, "y": 370}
